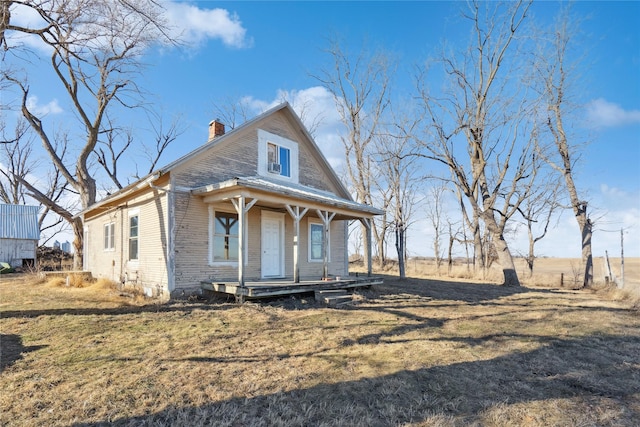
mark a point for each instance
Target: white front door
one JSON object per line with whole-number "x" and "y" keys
{"x": 272, "y": 244}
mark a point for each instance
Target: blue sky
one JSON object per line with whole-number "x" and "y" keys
{"x": 262, "y": 50}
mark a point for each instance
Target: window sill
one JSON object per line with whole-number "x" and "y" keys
{"x": 223, "y": 264}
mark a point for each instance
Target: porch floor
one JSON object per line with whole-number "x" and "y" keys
{"x": 277, "y": 287}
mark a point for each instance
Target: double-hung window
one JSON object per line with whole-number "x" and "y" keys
{"x": 278, "y": 160}
{"x": 225, "y": 237}
{"x": 109, "y": 236}
{"x": 133, "y": 237}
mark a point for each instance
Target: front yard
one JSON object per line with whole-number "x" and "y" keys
{"x": 417, "y": 352}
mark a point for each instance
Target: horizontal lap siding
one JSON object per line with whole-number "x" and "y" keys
{"x": 337, "y": 256}
{"x": 192, "y": 245}
{"x": 100, "y": 262}
{"x": 153, "y": 235}
{"x": 221, "y": 162}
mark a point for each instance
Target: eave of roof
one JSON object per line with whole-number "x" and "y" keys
{"x": 295, "y": 191}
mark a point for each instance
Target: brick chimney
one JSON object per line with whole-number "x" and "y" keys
{"x": 216, "y": 128}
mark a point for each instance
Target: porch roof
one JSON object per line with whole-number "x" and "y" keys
{"x": 271, "y": 193}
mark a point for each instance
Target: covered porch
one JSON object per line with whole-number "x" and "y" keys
{"x": 275, "y": 288}
{"x": 297, "y": 202}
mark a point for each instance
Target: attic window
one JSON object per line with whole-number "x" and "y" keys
{"x": 278, "y": 160}
{"x": 277, "y": 157}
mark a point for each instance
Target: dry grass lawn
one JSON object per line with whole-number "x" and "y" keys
{"x": 415, "y": 352}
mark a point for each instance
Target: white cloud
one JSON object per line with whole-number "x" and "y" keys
{"x": 43, "y": 110}
{"x": 194, "y": 25}
{"x": 602, "y": 113}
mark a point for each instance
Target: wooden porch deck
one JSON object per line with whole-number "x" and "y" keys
{"x": 271, "y": 288}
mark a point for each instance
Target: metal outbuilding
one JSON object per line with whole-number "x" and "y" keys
{"x": 19, "y": 234}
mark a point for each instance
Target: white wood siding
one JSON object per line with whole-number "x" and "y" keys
{"x": 150, "y": 271}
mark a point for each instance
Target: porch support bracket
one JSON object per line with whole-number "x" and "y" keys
{"x": 297, "y": 215}
{"x": 326, "y": 218}
{"x": 242, "y": 207}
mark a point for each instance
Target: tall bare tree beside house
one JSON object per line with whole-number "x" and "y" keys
{"x": 486, "y": 107}
{"x": 556, "y": 73}
{"x": 360, "y": 87}
{"x": 17, "y": 162}
{"x": 95, "y": 48}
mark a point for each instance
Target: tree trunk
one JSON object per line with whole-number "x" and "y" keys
{"x": 78, "y": 244}
{"x": 400, "y": 249}
{"x": 586, "y": 230}
{"x": 506, "y": 261}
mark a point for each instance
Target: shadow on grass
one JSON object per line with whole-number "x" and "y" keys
{"x": 175, "y": 306}
{"x": 469, "y": 292}
{"x": 589, "y": 369}
{"x": 11, "y": 350}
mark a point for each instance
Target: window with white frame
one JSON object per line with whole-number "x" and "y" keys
{"x": 225, "y": 237}
{"x": 316, "y": 242}
{"x": 278, "y": 160}
{"x": 277, "y": 156}
{"x": 133, "y": 237}
{"x": 109, "y": 236}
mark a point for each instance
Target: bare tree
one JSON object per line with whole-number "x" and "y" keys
{"x": 436, "y": 215}
{"x": 537, "y": 212}
{"x": 398, "y": 171}
{"x": 485, "y": 108}
{"x": 556, "y": 74}
{"x": 17, "y": 163}
{"x": 95, "y": 48}
{"x": 232, "y": 112}
{"x": 360, "y": 87}
{"x": 117, "y": 141}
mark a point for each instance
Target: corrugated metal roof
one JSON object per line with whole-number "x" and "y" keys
{"x": 19, "y": 222}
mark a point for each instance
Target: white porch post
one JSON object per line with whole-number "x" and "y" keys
{"x": 367, "y": 224}
{"x": 297, "y": 216}
{"x": 242, "y": 209}
{"x": 326, "y": 218}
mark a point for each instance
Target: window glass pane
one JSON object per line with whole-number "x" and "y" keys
{"x": 133, "y": 237}
{"x": 285, "y": 169}
{"x": 133, "y": 248}
{"x": 317, "y": 242}
{"x": 272, "y": 153}
{"x": 109, "y": 236}
{"x": 133, "y": 226}
{"x": 226, "y": 223}
{"x": 225, "y": 238}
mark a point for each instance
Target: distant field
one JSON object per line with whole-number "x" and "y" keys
{"x": 547, "y": 271}
{"x": 419, "y": 352}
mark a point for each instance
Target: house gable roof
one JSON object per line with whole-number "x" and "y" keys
{"x": 228, "y": 137}
{"x": 286, "y": 108}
